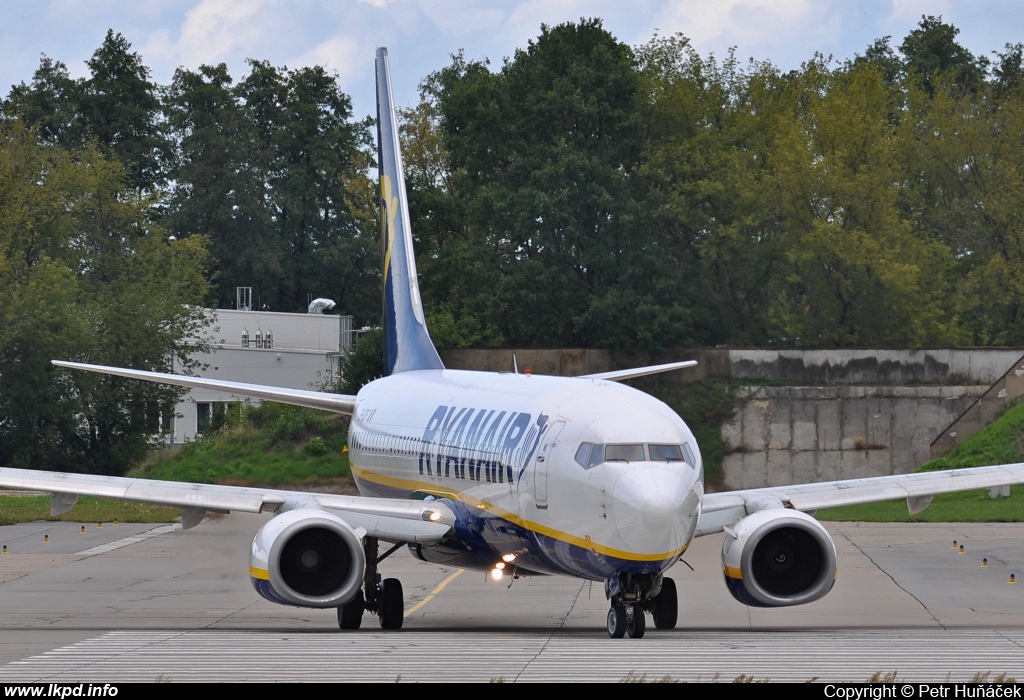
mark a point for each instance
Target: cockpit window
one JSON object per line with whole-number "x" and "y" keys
{"x": 689, "y": 456}
{"x": 583, "y": 454}
{"x": 665, "y": 453}
{"x": 623, "y": 453}
{"x": 596, "y": 457}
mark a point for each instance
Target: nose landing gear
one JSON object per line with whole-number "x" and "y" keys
{"x": 637, "y": 596}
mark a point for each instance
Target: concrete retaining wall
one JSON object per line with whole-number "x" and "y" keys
{"x": 1005, "y": 392}
{"x": 876, "y": 367}
{"x": 788, "y": 435}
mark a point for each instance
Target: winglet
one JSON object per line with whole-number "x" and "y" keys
{"x": 407, "y": 345}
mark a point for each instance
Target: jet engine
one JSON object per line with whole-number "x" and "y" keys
{"x": 309, "y": 558}
{"x": 777, "y": 557}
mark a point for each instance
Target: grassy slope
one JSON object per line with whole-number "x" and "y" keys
{"x": 267, "y": 445}
{"x": 23, "y": 509}
{"x": 1002, "y": 442}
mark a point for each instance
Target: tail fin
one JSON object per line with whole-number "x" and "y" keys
{"x": 407, "y": 345}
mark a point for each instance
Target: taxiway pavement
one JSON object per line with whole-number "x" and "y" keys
{"x": 143, "y": 602}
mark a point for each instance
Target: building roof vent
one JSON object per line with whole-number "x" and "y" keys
{"x": 318, "y": 306}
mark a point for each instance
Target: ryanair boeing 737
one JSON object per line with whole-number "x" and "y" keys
{"x": 507, "y": 473}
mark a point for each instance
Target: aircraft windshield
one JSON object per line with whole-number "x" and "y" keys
{"x": 665, "y": 453}
{"x": 623, "y": 453}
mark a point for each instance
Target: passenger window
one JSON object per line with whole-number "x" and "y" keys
{"x": 583, "y": 454}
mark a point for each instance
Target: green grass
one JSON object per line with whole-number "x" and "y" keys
{"x": 966, "y": 507}
{"x": 23, "y": 509}
{"x": 267, "y": 445}
{"x": 1001, "y": 442}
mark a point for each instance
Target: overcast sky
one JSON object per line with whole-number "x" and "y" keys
{"x": 421, "y": 34}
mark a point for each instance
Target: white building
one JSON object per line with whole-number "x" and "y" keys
{"x": 297, "y": 351}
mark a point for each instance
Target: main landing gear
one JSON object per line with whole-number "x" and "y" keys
{"x": 638, "y": 595}
{"x": 384, "y": 598}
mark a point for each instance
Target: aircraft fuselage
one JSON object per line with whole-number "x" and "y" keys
{"x": 508, "y": 453}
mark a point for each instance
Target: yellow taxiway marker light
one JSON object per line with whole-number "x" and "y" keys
{"x": 46, "y": 539}
{"x": 1013, "y": 578}
{"x": 5, "y": 549}
{"x": 82, "y": 530}
{"x": 99, "y": 525}
{"x": 954, "y": 544}
{"x": 984, "y": 563}
{"x": 962, "y": 549}
{"x": 116, "y": 523}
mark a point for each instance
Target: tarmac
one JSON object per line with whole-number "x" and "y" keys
{"x": 146, "y": 603}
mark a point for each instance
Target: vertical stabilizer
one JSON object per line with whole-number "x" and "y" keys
{"x": 407, "y": 345}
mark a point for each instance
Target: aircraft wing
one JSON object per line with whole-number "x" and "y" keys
{"x": 620, "y": 374}
{"x": 721, "y": 510}
{"x": 338, "y": 403}
{"x": 393, "y": 520}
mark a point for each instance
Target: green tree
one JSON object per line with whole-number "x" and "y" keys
{"x": 273, "y": 171}
{"x": 548, "y": 146}
{"x": 218, "y": 182}
{"x": 932, "y": 53}
{"x": 120, "y": 108}
{"x": 84, "y": 275}
{"x": 363, "y": 364}
{"x": 51, "y": 104}
{"x": 857, "y": 275}
{"x": 707, "y": 184}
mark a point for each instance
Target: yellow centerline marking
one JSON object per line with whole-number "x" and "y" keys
{"x": 440, "y": 587}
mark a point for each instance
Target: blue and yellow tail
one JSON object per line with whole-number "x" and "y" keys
{"x": 407, "y": 345}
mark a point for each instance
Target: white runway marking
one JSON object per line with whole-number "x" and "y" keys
{"x": 370, "y": 655}
{"x": 125, "y": 541}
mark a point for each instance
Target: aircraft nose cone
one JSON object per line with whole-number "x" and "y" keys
{"x": 649, "y": 509}
{"x": 656, "y": 511}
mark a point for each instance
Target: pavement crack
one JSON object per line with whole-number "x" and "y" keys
{"x": 547, "y": 640}
{"x": 905, "y": 590}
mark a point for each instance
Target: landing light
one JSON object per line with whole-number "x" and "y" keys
{"x": 496, "y": 574}
{"x": 499, "y": 566}
{"x": 508, "y": 558}
{"x": 431, "y": 515}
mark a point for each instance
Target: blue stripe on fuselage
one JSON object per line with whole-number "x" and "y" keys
{"x": 484, "y": 537}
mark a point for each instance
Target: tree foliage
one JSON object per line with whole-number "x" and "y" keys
{"x": 593, "y": 194}
{"x": 85, "y": 275}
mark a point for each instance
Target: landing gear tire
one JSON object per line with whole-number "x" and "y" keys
{"x": 617, "y": 622}
{"x": 665, "y": 610}
{"x": 392, "y": 604}
{"x": 636, "y": 623}
{"x": 350, "y": 615}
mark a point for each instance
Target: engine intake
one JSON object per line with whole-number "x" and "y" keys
{"x": 309, "y": 558}
{"x": 778, "y": 557}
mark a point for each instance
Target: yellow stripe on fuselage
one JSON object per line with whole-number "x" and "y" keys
{"x": 261, "y": 574}
{"x": 733, "y": 573}
{"x": 583, "y": 542}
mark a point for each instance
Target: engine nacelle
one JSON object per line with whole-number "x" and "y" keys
{"x": 778, "y": 557}
{"x": 309, "y": 558}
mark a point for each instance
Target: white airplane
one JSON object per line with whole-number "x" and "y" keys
{"x": 508, "y": 473}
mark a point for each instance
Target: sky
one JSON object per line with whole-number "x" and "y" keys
{"x": 421, "y": 35}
